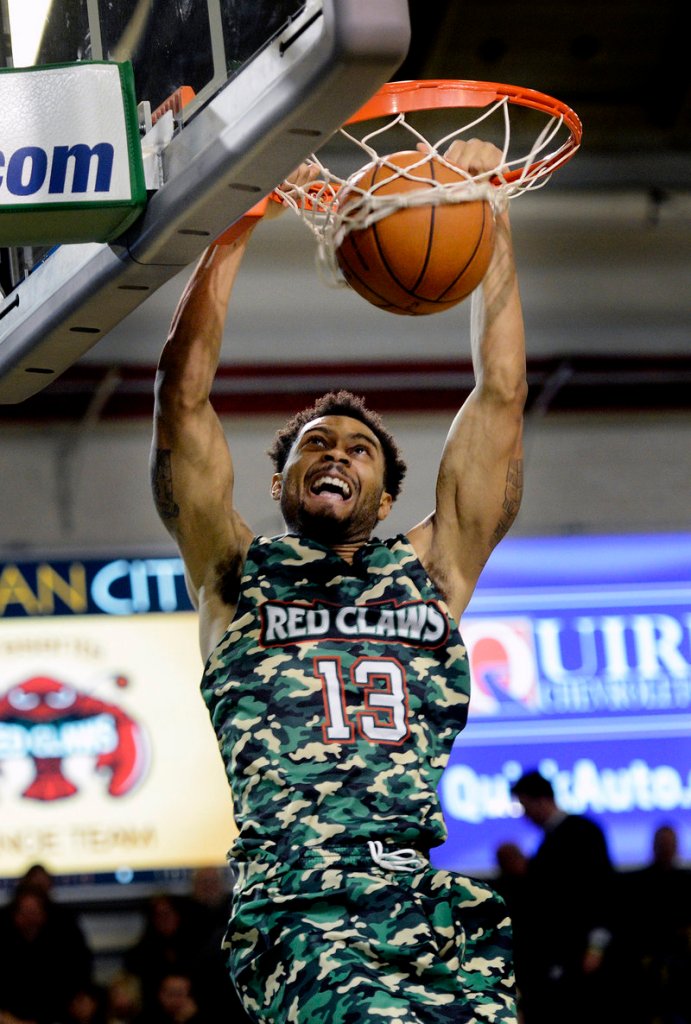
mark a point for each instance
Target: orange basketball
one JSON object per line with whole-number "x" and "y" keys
{"x": 421, "y": 259}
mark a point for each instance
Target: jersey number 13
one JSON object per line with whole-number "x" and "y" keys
{"x": 384, "y": 716}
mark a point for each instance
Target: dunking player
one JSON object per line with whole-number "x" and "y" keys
{"x": 336, "y": 677}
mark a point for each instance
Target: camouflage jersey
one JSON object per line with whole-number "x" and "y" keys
{"x": 336, "y": 694}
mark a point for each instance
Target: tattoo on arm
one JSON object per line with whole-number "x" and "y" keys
{"x": 162, "y": 485}
{"x": 512, "y": 500}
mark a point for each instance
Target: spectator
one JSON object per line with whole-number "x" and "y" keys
{"x": 63, "y": 920}
{"x": 166, "y": 944}
{"x": 569, "y": 885}
{"x": 511, "y": 883}
{"x": 209, "y": 902}
{"x": 37, "y": 876}
{"x": 85, "y": 1006}
{"x": 208, "y": 909}
{"x": 124, "y": 1002}
{"x": 40, "y": 967}
{"x": 654, "y": 936}
{"x": 665, "y": 852}
{"x": 211, "y": 979}
{"x": 176, "y": 1003}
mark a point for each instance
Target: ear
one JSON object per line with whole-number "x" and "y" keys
{"x": 276, "y": 486}
{"x": 385, "y": 505}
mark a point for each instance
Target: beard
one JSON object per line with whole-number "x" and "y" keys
{"x": 329, "y": 529}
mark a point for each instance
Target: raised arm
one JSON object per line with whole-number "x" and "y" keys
{"x": 191, "y": 465}
{"x": 480, "y": 477}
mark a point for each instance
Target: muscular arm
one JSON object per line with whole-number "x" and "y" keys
{"x": 480, "y": 478}
{"x": 191, "y": 465}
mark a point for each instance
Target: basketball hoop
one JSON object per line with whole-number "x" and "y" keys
{"x": 334, "y": 205}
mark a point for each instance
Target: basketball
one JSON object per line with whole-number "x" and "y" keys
{"x": 421, "y": 259}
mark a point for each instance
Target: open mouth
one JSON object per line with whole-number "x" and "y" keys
{"x": 329, "y": 484}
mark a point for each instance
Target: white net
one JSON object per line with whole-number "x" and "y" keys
{"x": 332, "y": 206}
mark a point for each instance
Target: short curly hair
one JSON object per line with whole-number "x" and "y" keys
{"x": 342, "y": 403}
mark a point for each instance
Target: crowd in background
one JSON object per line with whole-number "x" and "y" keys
{"x": 592, "y": 944}
{"x": 174, "y": 973}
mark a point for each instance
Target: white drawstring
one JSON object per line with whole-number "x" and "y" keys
{"x": 395, "y": 860}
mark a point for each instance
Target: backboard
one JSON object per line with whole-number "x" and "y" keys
{"x": 270, "y": 81}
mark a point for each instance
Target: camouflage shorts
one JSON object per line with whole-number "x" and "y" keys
{"x": 345, "y": 944}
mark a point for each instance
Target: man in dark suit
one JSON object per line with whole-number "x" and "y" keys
{"x": 569, "y": 890}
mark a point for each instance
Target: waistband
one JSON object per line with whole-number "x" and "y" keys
{"x": 385, "y": 855}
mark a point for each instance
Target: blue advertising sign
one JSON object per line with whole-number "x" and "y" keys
{"x": 629, "y": 780}
{"x": 580, "y": 650}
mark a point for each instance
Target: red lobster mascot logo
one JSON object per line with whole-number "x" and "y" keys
{"x": 49, "y": 721}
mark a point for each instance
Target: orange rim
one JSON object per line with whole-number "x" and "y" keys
{"x": 438, "y": 93}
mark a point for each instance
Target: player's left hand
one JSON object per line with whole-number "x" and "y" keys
{"x": 475, "y": 156}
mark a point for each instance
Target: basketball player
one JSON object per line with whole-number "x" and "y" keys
{"x": 336, "y": 677}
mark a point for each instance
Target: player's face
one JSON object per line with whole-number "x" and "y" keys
{"x": 332, "y": 485}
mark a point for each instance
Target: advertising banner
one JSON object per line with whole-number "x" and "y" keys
{"x": 71, "y": 167}
{"x": 580, "y": 651}
{"x": 108, "y": 760}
